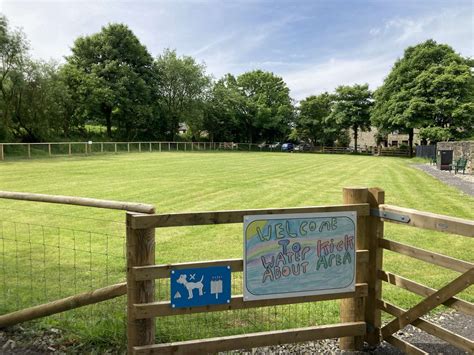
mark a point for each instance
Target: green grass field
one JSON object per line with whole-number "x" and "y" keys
{"x": 51, "y": 251}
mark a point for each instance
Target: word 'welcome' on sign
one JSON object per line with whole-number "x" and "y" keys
{"x": 299, "y": 254}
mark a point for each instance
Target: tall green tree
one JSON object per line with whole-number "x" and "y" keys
{"x": 111, "y": 75}
{"x": 351, "y": 108}
{"x": 223, "y": 109}
{"x": 431, "y": 87}
{"x": 266, "y": 109}
{"x": 313, "y": 121}
{"x": 253, "y": 107}
{"x": 13, "y": 58}
{"x": 182, "y": 85}
{"x": 42, "y": 106}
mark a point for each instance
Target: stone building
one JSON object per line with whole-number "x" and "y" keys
{"x": 461, "y": 149}
{"x": 393, "y": 139}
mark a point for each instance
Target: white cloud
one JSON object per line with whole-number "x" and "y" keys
{"x": 326, "y": 76}
{"x": 374, "y": 58}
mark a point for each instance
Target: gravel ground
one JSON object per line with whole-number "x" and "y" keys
{"x": 465, "y": 183}
{"x": 23, "y": 341}
{"x": 456, "y": 322}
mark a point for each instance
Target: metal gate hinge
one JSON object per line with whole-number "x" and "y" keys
{"x": 390, "y": 215}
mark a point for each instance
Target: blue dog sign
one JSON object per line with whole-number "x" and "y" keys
{"x": 200, "y": 286}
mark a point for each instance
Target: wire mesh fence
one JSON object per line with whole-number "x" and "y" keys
{"x": 240, "y": 321}
{"x": 49, "y": 256}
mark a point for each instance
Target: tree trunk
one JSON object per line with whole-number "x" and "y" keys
{"x": 355, "y": 128}
{"x": 410, "y": 141}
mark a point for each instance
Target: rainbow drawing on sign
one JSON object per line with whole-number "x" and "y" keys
{"x": 299, "y": 254}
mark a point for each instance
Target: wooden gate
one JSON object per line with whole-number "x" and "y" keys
{"x": 443, "y": 296}
{"x": 360, "y": 311}
{"x": 141, "y": 273}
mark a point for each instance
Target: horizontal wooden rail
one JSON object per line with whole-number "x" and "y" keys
{"x": 79, "y": 201}
{"x": 253, "y": 340}
{"x": 405, "y": 346}
{"x": 232, "y": 216}
{"x": 424, "y": 255}
{"x": 152, "y": 272}
{"x": 422, "y": 290}
{"x": 65, "y": 304}
{"x": 164, "y": 309}
{"x": 433, "y": 221}
{"x": 431, "y": 328}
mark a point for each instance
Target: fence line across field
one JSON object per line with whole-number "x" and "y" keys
{"x": 50, "y": 149}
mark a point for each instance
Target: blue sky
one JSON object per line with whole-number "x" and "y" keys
{"x": 314, "y": 45}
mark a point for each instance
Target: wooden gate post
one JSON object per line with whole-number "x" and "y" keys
{"x": 373, "y": 315}
{"x": 352, "y": 309}
{"x": 2, "y": 154}
{"x": 140, "y": 252}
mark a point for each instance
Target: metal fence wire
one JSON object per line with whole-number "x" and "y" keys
{"x": 241, "y": 321}
{"x": 43, "y": 262}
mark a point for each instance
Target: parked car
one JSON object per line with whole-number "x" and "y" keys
{"x": 287, "y": 147}
{"x": 303, "y": 147}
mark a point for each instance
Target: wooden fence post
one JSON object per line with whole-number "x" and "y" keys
{"x": 128, "y": 147}
{"x": 139, "y": 147}
{"x": 352, "y": 309}
{"x": 49, "y": 149}
{"x": 115, "y": 147}
{"x": 85, "y": 146}
{"x": 373, "y": 315}
{"x": 150, "y": 147}
{"x": 2, "y": 154}
{"x": 140, "y": 252}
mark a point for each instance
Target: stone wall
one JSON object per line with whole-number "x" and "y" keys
{"x": 460, "y": 149}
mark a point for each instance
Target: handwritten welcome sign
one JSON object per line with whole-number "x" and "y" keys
{"x": 293, "y": 255}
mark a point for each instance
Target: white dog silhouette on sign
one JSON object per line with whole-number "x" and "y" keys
{"x": 190, "y": 286}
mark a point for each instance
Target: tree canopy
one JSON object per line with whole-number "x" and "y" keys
{"x": 110, "y": 74}
{"x": 431, "y": 86}
{"x": 313, "y": 123}
{"x": 182, "y": 86}
{"x": 351, "y": 108}
{"x": 267, "y": 110}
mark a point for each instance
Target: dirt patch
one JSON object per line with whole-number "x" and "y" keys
{"x": 19, "y": 340}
